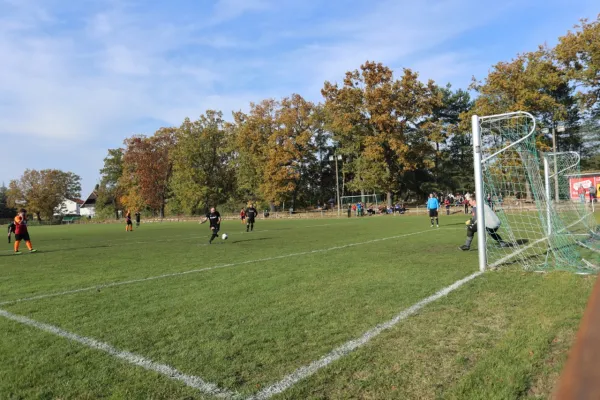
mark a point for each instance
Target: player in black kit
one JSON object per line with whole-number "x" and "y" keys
{"x": 215, "y": 223}
{"x": 251, "y": 214}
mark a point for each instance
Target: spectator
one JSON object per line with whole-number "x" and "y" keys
{"x": 592, "y": 194}
{"x": 581, "y": 193}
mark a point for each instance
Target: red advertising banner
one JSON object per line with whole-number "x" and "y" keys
{"x": 586, "y": 182}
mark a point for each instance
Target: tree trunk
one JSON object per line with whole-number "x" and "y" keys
{"x": 389, "y": 199}
{"x": 272, "y": 206}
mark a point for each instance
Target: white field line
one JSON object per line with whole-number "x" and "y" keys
{"x": 343, "y": 350}
{"x": 193, "y": 271}
{"x": 131, "y": 358}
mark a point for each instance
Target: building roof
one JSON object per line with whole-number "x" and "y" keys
{"x": 91, "y": 200}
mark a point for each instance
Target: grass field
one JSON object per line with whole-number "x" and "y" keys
{"x": 293, "y": 310}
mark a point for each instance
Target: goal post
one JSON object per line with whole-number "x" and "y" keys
{"x": 535, "y": 231}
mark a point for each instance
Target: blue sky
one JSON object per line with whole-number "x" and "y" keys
{"x": 78, "y": 77}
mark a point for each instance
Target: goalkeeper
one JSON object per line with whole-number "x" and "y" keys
{"x": 492, "y": 224}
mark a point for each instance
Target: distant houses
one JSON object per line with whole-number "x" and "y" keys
{"x": 78, "y": 207}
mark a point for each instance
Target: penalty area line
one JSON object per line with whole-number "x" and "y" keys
{"x": 193, "y": 271}
{"x": 348, "y": 347}
{"x": 131, "y": 358}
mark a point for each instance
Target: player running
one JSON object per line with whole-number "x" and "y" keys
{"x": 11, "y": 229}
{"x": 21, "y": 232}
{"x": 433, "y": 206}
{"x": 251, "y": 214}
{"x": 492, "y": 224}
{"x": 215, "y": 223}
{"x": 138, "y": 217}
{"x": 128, "y": 223}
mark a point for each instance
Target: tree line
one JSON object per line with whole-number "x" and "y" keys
{"x": 397, "y": 136}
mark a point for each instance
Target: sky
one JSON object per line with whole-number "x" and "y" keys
{"x": 78, "y": 77}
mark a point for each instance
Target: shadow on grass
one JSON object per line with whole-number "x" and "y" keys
{"x": 249, "y": 240}
{"x": 72, "y": 249}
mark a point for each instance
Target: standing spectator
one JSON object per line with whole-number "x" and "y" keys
{"x": 466, "y": 203}
{"x": 447, "y": 204}
{"x": 354, "y": 208}
{"x": 581, "y": 193}
{"x": 592, "y": 193}
{"x": 349, "y": 210}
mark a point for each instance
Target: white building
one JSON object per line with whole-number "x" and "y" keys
{"x": 69, "y": 207}
{"x": 88, "y": 208}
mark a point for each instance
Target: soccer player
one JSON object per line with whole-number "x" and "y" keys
{"x": 128, "y": 223}
{"x": 11, "y": 229}
{"x": 21, "y": 232}
{"x": 243, "y": 216}
{"x": 215, "y": 223}
{"x": 138, "y": 216}
{"x": 492, "y": 224}
{"x": 251, "y": 214}
{"x": 433, "y": 206}
{"x": 447, "y": 204}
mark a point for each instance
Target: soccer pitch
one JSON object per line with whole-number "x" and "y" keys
{"x": 373, "y": 308}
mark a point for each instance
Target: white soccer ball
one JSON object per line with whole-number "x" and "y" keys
{"x": 224, "y": 236}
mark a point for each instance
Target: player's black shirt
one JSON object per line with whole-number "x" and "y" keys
{"x": 137, "y": 216}
{"x": 251, "y": 213}
{"x": 12, "y": 227}
{"x": 214, "y": 218}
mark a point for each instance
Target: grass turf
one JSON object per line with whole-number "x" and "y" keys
{"x": 316, "y": 285}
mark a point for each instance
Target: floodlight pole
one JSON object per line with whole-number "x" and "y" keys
{"x": 479, "y": 192}
{"x": 556, "y": 196}
{"x": 337, "y": 181}
{"x": 547, "y": 186}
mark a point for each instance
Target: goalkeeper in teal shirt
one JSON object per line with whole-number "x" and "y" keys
{"x": 433, "y": 206}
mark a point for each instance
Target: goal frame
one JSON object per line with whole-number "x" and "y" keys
{"x": 478, "y": 161}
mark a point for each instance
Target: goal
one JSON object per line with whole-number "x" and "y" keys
{"x": 509, "y": 177}
{"x": 367, "y": 199}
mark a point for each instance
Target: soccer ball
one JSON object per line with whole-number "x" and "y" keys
{"x": 224, "y": 236}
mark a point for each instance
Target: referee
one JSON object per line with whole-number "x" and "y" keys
{"x": 433, "y": 206}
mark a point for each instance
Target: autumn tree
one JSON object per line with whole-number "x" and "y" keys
{"x": 374, "y": 118}
{"x": 202, "y": 173}
{"x": 147, "y": 169}
{"x": 43, "y": 191}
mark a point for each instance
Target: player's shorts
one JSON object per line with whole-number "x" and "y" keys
{"x": 215, "y": 228}
{"x": 243, "y": 218}
{"x": 433, "y": 213}
{"x": 22, "y": 236}
{"x": 250, "y": 220}
{"x": 129, "y": 222}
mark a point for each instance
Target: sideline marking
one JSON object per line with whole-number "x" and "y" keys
{"x": 132, "y": 358}
{"x": 343, "y": 350}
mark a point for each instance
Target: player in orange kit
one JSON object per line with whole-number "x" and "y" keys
{"x": 21, "y": 232}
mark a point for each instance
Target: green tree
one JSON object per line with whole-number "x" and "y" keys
{"x": 202, "y": 172}
{"x": 109, "y": 190}
{"x": 579, "y": 52}
{"x": 5, "y": 210}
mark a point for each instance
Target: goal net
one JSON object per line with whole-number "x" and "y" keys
{"x": 563, "y": 178}
{"x": 509, "y": 178}
{"x": 367, "y": 199}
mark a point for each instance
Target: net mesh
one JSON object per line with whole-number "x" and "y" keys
{"x": 564, "y": 179}
{"x": 532, "y": 233}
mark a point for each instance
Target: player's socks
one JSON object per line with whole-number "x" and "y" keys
{"x": 29, "y": 246}
{"x": 17, "y": 243}
{"x": 468, "y": 242}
